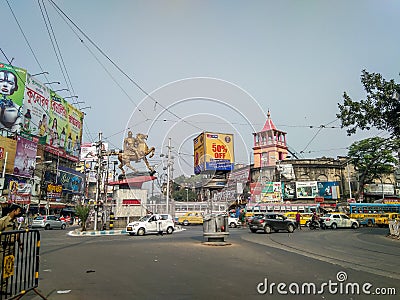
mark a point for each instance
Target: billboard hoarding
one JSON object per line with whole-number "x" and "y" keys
{"x": 12, "y": 96}
{"x": 25, "y": 157}
{"x": 10, "y": 147}
{"x": 213, "y": 152}
{"x": 19, "y": 192}
{"x": 306, "y": 189}
{"x": 329, "y": 190}
{"x": 36, "y": 107}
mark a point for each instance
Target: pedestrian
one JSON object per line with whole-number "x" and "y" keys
{"x": 8, "y": 223}
{"x": 298, "y": 218}
{"x": 159, "y": 225}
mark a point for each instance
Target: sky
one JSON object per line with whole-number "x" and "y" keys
{"x": 172, "y": 69}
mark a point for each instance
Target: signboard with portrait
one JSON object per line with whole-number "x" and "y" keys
{"x": 329, "y": 190}
{"x": 19, "y": 192}
{"x": 25, "y": 157}
{"x": 12, "y": 81}
{"x": 36, "y": 107}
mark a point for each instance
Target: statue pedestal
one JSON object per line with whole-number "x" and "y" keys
{"x": 133, "y": 180}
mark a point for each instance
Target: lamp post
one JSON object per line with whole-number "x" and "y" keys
{"x": 187, "y": 194}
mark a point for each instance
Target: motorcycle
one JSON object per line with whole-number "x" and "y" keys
{"x": 317, "y": 224}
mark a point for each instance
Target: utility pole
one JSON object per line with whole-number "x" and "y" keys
{"x": 348, "y": 178}
{"x": 99, "y": 163}
{"x": 168, "y": 173}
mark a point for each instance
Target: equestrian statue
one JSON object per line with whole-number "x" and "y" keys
{"x": 135, "y": 149}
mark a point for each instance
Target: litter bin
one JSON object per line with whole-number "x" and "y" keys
{"x": 215, "y": 228}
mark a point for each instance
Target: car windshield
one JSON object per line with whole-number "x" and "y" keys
{"x": 39, "y": 218}
{"x": 144, "y": 218}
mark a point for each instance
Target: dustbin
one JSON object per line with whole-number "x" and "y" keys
{"x": 215, "y": 228}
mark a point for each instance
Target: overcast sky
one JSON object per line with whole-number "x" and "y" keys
{"x": 216, "y": 66}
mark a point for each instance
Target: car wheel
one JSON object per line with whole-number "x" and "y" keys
{"x": 63, "y": 226}
{"x": 186, "y": 223}
{"x": 354, "y": 225}
{"x": 334, "y": 226}
{"x": 232, "y": 225}
{"x": 290, "y": 228}
{"x": 140, "y": 231}
{"x": 47, "y": 227}
{"x": 267, "y": 229}
{"x": 170, "y": 230}
{"x": 253, "y": 230}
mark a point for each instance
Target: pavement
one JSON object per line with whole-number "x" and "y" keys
{"x": 79, "y": 232}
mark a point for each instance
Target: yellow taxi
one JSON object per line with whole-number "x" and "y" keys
{"x": 305, "y": 218}
{"x": 191, "y": 217}
{"x": 383, "y": 220}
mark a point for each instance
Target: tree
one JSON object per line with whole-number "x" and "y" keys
{"x": 82, "y": 211}
{"x": 372, "y": 158}
{"x": 380, "y": 109}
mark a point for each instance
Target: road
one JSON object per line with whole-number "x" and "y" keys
{"x": 180, "y": 266}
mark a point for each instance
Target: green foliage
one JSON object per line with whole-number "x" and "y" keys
{"x": 82, "y": 211}
{"x": 380, "y": 109}
{"x": 182, "y": 194}
{"x": 373, "y": 157}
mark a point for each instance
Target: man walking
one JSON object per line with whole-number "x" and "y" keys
{"x": 8, "y": 223}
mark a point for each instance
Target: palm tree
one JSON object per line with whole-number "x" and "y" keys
{"x": 82, "y": 211}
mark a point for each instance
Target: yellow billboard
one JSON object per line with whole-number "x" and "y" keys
{"x": 213, "y": 152}
{"x": 8, "y": 146}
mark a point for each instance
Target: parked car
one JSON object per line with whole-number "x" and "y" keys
{"x": 148, "y": 224}
{"x": 335, "y": 220}
{"x": 272, "y": 221}
{"x": 191, "y": 217}
{"x": 233, "y": 222}
{"x": 48, "y": 222}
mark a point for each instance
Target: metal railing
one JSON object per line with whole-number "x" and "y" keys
{"x": 19, "y": 260}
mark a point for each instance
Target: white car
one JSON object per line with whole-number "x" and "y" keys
{"x": 233, "y": 222}
{"x": 335, "y": 220}
{"x": 148, "y": 224}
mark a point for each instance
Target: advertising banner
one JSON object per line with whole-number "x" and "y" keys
{"x": 306, "y": 189}
{"x": 36, "y": 108}
{"x": 219, "y": 152}
{"x": 329, "y": 190}
{"x": 378, "y": 189}
{"x": 12, "y": 96}
{"x": 58, "y": 121}
{"x": 54, "y": 192}
{"x": 213, "y": 152}
{"x": 88, "y": 152}
{"x": 71, "y": 180}
{"x": 8, "y": 146}
{"x": 198, "y": 146}
{"x": 271, "y": 192}
{"x": 289, "y": 190}
{"x": 25, "y": 157}
{"x": 74, "y": 132}
{"x": 19, "y": 192}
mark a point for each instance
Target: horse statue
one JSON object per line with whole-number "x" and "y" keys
{"x": 135, "y": 149}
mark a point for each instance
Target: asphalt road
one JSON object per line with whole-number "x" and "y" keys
{"x": 180, "y": 266}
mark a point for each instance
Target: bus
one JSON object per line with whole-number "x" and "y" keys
{"x": 259, "y": 208}
{"x": 365, "y": 213}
